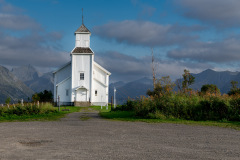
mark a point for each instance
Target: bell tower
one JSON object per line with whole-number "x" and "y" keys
{"x": 82, "y": 66}
{"x": 82, "y": 36}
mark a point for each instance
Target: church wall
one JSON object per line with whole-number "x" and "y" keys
{"x": 81, "y": 64}
{"x": 64, "y": 91}
{"x": 82, "y": 40}
{"x": 102, "y": 96}
{"x": 100, "y": 75}
{"x": 63, "y": 74}
{"x": 59, "y": 76}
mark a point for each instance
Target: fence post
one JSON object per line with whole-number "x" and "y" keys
{"x": 101, "y": 102}
{"x": 58, "y": 103}
{"x": 115, "y": 97}
{"x": 111, "y": 103}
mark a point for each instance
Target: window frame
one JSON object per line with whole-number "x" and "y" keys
{"x": 81, "y": 76}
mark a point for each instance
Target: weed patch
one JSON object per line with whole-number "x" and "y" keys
{"x": 34, "y": 113}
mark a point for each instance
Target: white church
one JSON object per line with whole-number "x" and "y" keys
{"x": 81, "y": 82}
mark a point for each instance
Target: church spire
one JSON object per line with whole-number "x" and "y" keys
{"x": 82, "y": 28}
{"x": 82, "y": 15}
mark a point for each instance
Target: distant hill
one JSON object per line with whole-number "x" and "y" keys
{"x": 133, "y": 89}
{"x": 139, "y": 87}
{"x": 26, "y": 73}
{"x": 11, "y": 87}
{"x": 23, "y": 81}
{"x": 44, "y": 82}
{"x": 221, "y": 79}
{"x": 33, "y": 79}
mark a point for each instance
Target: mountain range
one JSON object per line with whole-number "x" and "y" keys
{"x": 33, "y": 79}
{"x": 12, "y": 87}
{"x": 22, "y": 82}
{"x": 221, "y": 79}
{"x": 139, "y": 87}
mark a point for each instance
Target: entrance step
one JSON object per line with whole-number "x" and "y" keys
{"x": 82, "y": 104}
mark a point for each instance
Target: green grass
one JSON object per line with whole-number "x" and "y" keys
{"x": 104, "y": 109}
{"x": 40, "y": 117}
{"x": 129, "y": 116}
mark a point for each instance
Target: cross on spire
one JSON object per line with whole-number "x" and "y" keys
{"x": 82, "y": 15}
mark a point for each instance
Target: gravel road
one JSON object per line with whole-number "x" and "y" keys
{"x": 86, "y": 136}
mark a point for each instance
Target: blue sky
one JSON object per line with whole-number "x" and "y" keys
{"x": 184, "y": 34}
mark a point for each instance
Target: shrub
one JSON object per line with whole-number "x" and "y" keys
{"x": 210, "y": 88}
{"x": 128, "y": 106}
{"x": 27, "y": 110}
{"x": 189, "y": 107}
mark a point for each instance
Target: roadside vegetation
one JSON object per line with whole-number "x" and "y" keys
{"x": 205, "y": 107}
{"x": 34, "y": 112}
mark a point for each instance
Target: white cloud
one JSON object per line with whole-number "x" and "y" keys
{"x": 146, "y": 33}
{"x": 23, "y": 41}
{"x": 225, "y": 51}
{"x": 127, "y": 68}
{"x": 220, "y": 13}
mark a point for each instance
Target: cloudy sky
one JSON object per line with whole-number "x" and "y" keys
{"x": 184, "y": 34}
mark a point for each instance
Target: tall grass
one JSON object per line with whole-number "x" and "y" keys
{"x": 27, "y": 109}
{"x": 188, "y": 106}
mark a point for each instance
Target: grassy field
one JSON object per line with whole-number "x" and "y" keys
{"x": 113, "y": 115}
{"x": 41, "y": 117}
{"x": 130, "y": 116}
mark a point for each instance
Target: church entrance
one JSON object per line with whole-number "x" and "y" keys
{"x": 81, "y": 95}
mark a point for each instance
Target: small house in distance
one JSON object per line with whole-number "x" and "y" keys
{"x": 81, "y": 82}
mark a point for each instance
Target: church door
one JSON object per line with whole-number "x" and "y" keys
{"x": 81, "y": 95}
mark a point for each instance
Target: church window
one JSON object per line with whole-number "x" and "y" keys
{"x": 95, "y": 92}
{"x": 81, "y": 76}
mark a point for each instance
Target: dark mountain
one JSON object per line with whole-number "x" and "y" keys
{"x": 133, "y": 89}
{"x": 45, "y": 82}
{"x": 11, "y": 87}
{"x": 139, "y": 87}
{"x": 221, "y": 79}
{"x": 33, "y": 79}
{"x": 26, "y": 73}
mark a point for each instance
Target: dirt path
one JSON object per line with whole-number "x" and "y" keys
{"x": 85, "y": 135}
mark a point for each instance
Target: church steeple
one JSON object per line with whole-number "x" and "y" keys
{"x": 82, "y": 35}
{"x": 82, "y": 29}
{"x": 82, "y": 15}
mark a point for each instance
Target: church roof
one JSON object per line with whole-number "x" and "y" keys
{"x": 82, "y": 50}
{"x": 100, "y": 67}
{"x": 65, "y": 65}
{"x": 82, "y": 29}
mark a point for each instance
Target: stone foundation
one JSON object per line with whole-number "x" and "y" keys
{"x": 82, "y": 104}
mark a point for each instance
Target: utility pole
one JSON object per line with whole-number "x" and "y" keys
{"x": 111, "y": 103}
{"x": 115, "y": 97}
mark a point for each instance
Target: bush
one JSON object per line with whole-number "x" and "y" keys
{"x": 185, "y": 106}
{"x": 27, "y": 110}
{"x": 128, "y": 106}
{"x": 210, "y": 88}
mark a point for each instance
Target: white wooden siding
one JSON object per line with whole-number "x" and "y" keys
{"x": 81, "y": 64}
{"x": 61, "y": 91}
{"x": 102, "y": 96}
{"x": 82, "y": 40}
{"x": 60, "y": 76}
